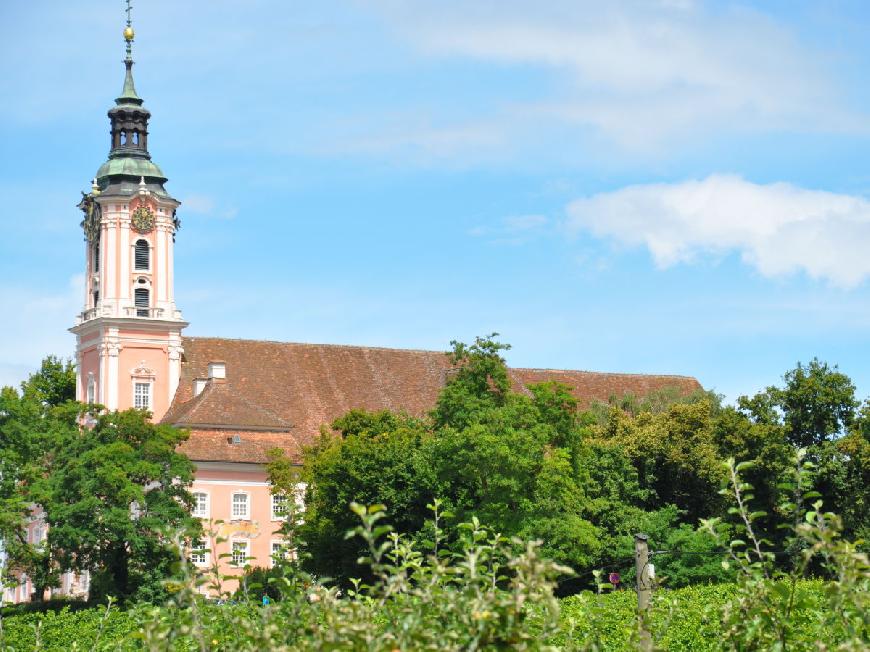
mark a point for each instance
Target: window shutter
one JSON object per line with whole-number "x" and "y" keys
{"x": 141, "y": 255}
{"x": 142, "y": 301}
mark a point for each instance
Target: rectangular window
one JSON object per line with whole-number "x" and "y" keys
{"x": 142, "y": 299}
{"x": 240, "y": 506}
{"x": 279, "y": 507}
{"x": 301, "y": 487}
{"x": 240, "y": 553}
{"x": 142, "y": 396}
{"x": 279, "y": 551}
{"x": 200, "y": 504}
{"x": 198, "y": 553}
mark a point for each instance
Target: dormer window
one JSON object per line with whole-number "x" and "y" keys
{"x": 217, "y": 370}
{"x": 199, "y": 385}
{"x": 142, "y": 255}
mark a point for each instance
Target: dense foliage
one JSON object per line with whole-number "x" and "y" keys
{"x": 551, "y": 481}
{"x": 685, "y": 620}
{"x": 109, "y": 486}
{"x": 536, "y": 466}
{"x": 489, "y": 594}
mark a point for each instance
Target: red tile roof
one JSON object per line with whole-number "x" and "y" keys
{"x": 218, "y": 446}
{"x": 278, "y": 394}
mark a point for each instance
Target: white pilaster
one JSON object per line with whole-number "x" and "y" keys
{"x": 161, "y": 262}
{"x": 112, "y": 348}
{"x": 124, "y": 292}
{"x": 170, "y": 267}
{"x": 110, "y": 268}
{"x": 175, "y": 353}
{"x": 88, "y": 275}
{"x": 102, "y": 396}
{"x": 80, "y": 396}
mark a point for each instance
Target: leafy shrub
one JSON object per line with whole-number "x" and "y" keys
{"x": 490, "y": 593}
{"x": 64, "y": 630}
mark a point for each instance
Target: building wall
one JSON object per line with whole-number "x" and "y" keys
{"x": 219, "y": 481}
{"x": 258, "y": 530}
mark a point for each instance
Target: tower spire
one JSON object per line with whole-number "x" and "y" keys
{"x": 128, "y": 93}
{"x": 129, "y": 160}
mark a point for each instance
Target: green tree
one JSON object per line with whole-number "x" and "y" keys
{"x": 816, "y": 404}
{"x": 477, "y": 382}
{"x": 366, "y": 466}
{"x": 815, "y": 409}
{"x": 114, "y": 495}
{"x": 53, "y": 385}
{"x": 30, "y": 420}
{"x": 675, "y": 454}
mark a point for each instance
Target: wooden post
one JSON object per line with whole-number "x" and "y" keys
{"x": 644, "y": 588}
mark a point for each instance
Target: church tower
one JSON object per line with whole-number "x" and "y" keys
{"x": 128, "y": 337}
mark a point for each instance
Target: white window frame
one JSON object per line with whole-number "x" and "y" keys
{"x": 247, "y": 515}
{"x": 201, "y": 558}
{"x": 284, "y": 502}
{"x": 195, "y": 511}
{"x": 136, "y": 383}
{"x": 286, "y": 552}
{"x": 299, "y": 497}
{"x": 247, "y": 545}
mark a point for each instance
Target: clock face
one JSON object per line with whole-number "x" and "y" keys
{"x": 143, "y": 219}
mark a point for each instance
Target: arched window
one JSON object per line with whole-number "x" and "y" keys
{"x": 141, "y": 255}
{"x": 142, "y": 301}
{"x": 97, "y": 256}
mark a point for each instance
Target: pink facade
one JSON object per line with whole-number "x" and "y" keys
{"x": 129, "y": 355}
{"x": 240, "y": 516}
{"x": 129, "y": 334}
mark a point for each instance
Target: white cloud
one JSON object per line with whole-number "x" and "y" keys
{"x": 518, "y": 223}
{"x": 777, "y": 228}
{"x": 207, "y": 207}
{"x": 638, "y": 72}
{"x": 512, "y": 230}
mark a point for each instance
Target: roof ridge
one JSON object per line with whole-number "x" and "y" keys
{"x": 407, "y": 350}
{"x": 326, "y": 344}
{"x": 602, "y": 373}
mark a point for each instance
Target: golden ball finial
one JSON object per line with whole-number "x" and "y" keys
{"x": 129, "y": 34}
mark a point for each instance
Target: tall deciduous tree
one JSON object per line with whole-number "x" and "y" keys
{"x": 30, "y": 421}
{"x": 816, "y": 404}
{"x": 114, "y": 495}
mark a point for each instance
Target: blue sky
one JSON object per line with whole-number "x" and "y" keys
{"x": 666, "y": 187}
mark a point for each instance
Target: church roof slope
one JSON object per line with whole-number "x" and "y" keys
{"x": 284, "y": 386}
{"x": 218, "y": 406}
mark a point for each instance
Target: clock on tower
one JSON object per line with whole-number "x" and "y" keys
{"x": 128, "y": 335}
